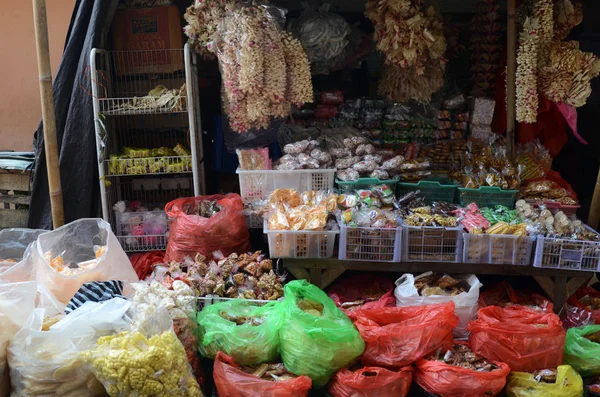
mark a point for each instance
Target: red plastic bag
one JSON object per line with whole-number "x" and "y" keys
{"x": 371, "y": 382}
{"x": 446, "y": 380}
{"x": 399, "y": 336}
{"x": 231, "y": 381}
{"x": 226, "y": 230}
{"x": 575, "y": 300}
{"x": 502, "y": 294}
{"x": 363, "y": 287}
{"x": 525, "y": 339}
{"x": 143, "y": 264}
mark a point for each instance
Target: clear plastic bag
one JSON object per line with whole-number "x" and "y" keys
{"x": 82, "y": 251}
{"x": 147, "y": 360}
{"x": 465, "y": 303}
{"x": 13, "y": 243}
{"x": 47, "y": 360}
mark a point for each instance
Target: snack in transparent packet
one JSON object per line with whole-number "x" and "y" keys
{"x": 254, "y": 159}
{"x": 45, "y": 356}
{"x": 148, "y": 360}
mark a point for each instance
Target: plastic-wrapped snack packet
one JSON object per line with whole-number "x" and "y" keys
{"x": 365, "y": 166}
{"x": 296, "y": 147}
{"x": 321, "y": 156}
{"x": 307, "y": 162}
{"x": 373, "y": 157}
{"x": 382, "y": 175}
{"x": 393, "y": 163}
{"x": 342, "y": 164}
{"x": 354, "y": 141}
{"x": 339, "y": 153}
{"x": 347, "y": 175}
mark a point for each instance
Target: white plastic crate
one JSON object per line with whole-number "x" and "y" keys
{"x": 301, "y": 243}
{"x": 432, "y": 244}
{"x": 150, "y": 223}
{"x": 257, "y": 185}
{"x": 562, "y": 253}
{"x": 497, "y": 249}
{"x": 370, "y": 244}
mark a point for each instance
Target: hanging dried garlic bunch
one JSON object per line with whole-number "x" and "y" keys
{"x": 526, "y": 82}
{"x": 203, "y": 18}
{"x": 567, "y": 15}
{"x": 254, "y": 56}
{"x": 486, "y": 47}
{"x": 410, "y": 34}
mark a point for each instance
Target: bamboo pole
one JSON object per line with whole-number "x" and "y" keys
{"x": 594, "y": 215}
{"x": 48, "y": 117}
{"x": 511, "y": 76}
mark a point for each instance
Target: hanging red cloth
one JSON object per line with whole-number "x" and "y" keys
{"x": 550, "y": 128}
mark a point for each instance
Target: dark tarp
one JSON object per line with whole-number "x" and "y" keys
{"x": 74, "y": 121}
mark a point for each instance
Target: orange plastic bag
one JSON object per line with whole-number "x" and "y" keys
{"x": 231, "y": 381}
{"x": 399, "y": 336}
{"x": 226, "y": 230}
{"x": 371, "y": 382}
{"x": 525, "y": 339}
{"x": 446, "y": 380}
{"x": 502, "y": 293}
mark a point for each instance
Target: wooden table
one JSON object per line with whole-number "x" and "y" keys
{"x": 557, "y": 283}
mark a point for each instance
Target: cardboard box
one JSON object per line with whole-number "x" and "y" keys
{"x": 152, "y": 38}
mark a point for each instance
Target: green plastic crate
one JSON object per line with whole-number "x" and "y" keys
{"x": 431, "y": 189}
{"x": 364, "y": 183}
{"x": 488, "y": 196}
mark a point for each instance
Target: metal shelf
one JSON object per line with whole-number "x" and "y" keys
{"x": 143, "y": 243}
{"x": 130, "y": 107}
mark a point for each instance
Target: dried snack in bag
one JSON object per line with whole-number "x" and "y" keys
{"x": 523, "y": 338}
{"x": 568, "y": 384}
{"x": 241, "y": 329}
{"x": 371, "y": 381}
{"x": 582, "y": 350}
{"x": 398, "y": 336}
{"x": 459, "y": 372}
{"x": 233, "y": 381}
{"x": 362, "y": 291}
{"x": 316, "y": 338}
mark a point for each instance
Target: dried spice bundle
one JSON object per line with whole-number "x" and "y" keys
{"x": 203, "y": 18}
{"x": 567, "y": 15}
{"x": 526, "y": 82}
{"x": 401, "y": 85}
{"x": 486, "y": 47}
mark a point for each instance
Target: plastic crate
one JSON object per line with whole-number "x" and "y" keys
{"x": 431, "y": 190}
{"x": 301, "y": 243}
{"x": 364, "y": 183}
{"x": 487, "y": 196}
{"x": 257, "y": 185}
{"x": 432, "y": 244}
{"x": 370, "y": 244}
{"x": 555, "y": 207}
{"x": 126, "y": 222}
{"x": 497, "y": 249}
{"x": 562, "y": 253}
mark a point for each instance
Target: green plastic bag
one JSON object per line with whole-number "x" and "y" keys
{"x": 316, "y": 338}
{"x": 581, "y": 353}
{"x": 568, "y": 384}
{"x": 253, "y": 342}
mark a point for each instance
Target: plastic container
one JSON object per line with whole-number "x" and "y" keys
{"x": 257, "y": 185}
{"x": 562, "y": 253}
{"x": 431, "y": 190}
{"x": 497, "y": 249}
{"x": 487, "y": 196}
{"x": 142, "y": 231}
{"x": 370, "y": 244}
{"x": 364, "y": 183}
{"x": 301, "y": 243}
{"x": 432, "y": 244}
{"x": 555, "y": 207}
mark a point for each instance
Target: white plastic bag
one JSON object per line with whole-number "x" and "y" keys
{"x": 17, "y": 300}
{"x": 13, "y": 243}
{"x": 82, "y": 251}
{"x": 466, "y": 303}
{"x": 48, "y": 363}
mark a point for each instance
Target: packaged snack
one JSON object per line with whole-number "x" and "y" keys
{"x": 296, "y": 147}
{"x": 181, "y": 150}
{"x": 365, "y": 166}
{"x": 393, "y": 163}
{"x": 342, "y": 164}
{"x": 380, "y": 174}
{"x": 347, "y": 175}
{"x": 254, "y": 159}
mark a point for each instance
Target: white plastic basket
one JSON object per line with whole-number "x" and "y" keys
{"x": 498, "y": 249}
{"x": 561, "y": 253}
{"x": 432, "y": 244}
{"x": 301, "y": 243}
{"x": 257, "y": 185}
{"x": 370, "y": 244}
{"x": 126, "y": 222}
